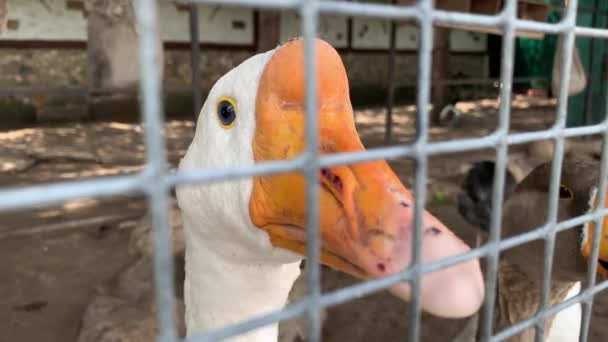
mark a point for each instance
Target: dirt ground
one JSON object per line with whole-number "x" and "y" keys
{"x": 50, "y": 270}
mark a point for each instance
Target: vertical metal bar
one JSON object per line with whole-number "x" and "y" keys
{"x": 556, "y": 166}
{"x": 506, "y": 78}
{"x": 308, "y": 12}
{"x": 195, "y": 60}
{"x": 390, "y": 96}
{"x": 150, "y": 88}
{"x": 587, "y": 305}
{"x": 425, "y": 24}
{"x": 592, "y": 58}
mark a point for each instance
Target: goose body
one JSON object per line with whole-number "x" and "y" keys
{"x": 521, "y": 268}
{"x": 245, "y": 239}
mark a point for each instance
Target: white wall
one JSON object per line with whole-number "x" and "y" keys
{"x": 51, "y": 20}
{"x": 334, "y": 29}
{"x": 44, "y": 20}
{"x": 219, "y": 25}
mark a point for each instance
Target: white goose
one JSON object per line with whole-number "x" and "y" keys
{"x": 245, "y": 239}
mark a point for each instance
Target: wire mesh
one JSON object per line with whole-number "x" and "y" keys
{"x": 310, "y": 163}
{"x": 556, "y": 167}
{"x": 507, "y": 63}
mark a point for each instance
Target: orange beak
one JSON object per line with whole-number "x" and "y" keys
{"x": 602, "y": 267}
{"x": 366, "y": 214}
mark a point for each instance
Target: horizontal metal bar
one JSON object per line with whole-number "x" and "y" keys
{"x": 266, "y": 4}
{"x": 369, "y": 10}
{"x": 544, "y": 27}
{"x": 590, "y": 32}
{"x": 540, "y": 232}
{"x": 226, "y": 174}
{"x": 453, "y": 146}
{"x": 460, "y": 18}
{"x": 15, "y": 198}
{"x": 527, "y": 137}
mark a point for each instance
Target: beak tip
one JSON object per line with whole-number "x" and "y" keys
{"x": 456, "y": 292}
{"x": 465, "y": 295}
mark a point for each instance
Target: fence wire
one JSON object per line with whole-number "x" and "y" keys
{"x": 155, "y": 181}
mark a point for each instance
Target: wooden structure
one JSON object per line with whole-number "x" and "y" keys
{"x": 526, "y": 9}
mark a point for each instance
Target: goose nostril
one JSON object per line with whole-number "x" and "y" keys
{"x": 333, "y": 179}
{"x": 432, "y": 230}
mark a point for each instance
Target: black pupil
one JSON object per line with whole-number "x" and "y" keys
{"x": 564, "y": 192}
{"x": 226, "y": 112}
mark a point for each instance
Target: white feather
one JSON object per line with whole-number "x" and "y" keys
{"x": 567, "y": 324}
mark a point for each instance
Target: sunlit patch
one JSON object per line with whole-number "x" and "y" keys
{"x": 122, "y": 126}
{"x": 80, "y": 204}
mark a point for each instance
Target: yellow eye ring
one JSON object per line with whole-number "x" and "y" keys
{"x": 226, "y": 110}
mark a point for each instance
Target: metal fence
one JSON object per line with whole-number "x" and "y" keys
{"x": 155, "y": 181}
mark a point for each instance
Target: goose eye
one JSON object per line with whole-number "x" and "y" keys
{"x": 226, "y": 112}
{"x": 565, "y": 193}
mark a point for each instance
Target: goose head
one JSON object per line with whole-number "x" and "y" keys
{"x": 256, "y": 113}
{"x": 526, "y": 208}
{"x": 475, "y": 199}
